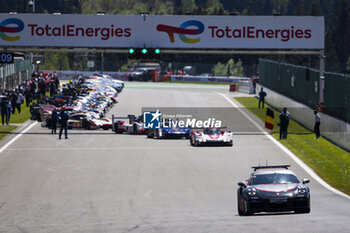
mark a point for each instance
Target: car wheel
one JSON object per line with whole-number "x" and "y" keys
{"x": 191, "y": 141}
{"x": 116, "y": 127}
{"x": 246, "y": 210}
{"x": 105, "y": 127}
{"x": 240, "y": 203}
{"x": 134, "y": 129}
{"x": 150, "y": 134}
{"x": 87, "y": 125}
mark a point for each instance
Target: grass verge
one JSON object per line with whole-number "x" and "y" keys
{"x": 22, "y": 117}
{"x": 6, "y": 130}
{"x": 17, "y": 118}
{"x": 328, "y": 160}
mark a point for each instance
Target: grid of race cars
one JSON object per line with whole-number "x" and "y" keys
{"x": 88, "y": 99}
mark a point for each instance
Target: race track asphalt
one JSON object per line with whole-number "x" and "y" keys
{"x": 97, "y": 181}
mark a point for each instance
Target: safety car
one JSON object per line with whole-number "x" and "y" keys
{"x": 273, "y": 189}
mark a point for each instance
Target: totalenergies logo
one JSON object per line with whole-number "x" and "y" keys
{"x": 5, "y": 29}
{"x": 182, "y": 31}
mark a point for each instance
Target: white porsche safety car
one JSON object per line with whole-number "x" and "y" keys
{"x": 211, "y": 136}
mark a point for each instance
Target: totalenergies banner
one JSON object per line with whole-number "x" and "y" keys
{"x": 197, "y": 32}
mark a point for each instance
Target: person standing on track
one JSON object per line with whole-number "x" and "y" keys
{"x": 284, "y": 122}
{"x": 54, "y": 119}
{"x": 262, "y": 95}
{"x": 63, "y": 120}
{"x": 3, "y": 108}
{"x": 317, "y": 124}
{"x": 19, "y": 101}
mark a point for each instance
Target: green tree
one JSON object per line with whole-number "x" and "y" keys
{"x": 188, "y": 6}
{"x": 229, "y": 69}
{"x": 56, "y": 61}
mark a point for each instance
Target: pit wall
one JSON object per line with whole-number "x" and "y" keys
{"x": 333, "y": 129}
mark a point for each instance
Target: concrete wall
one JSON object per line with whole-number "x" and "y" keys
{"x": 331, "y": 128}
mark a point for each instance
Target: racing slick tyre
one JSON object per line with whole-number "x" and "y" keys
{"x": 134, "y": 129}
{"x": 105, "y": 127}
{"x": 84, "y": 124}
{"x": 150, "y": 134}
{"x": 117, "y": 127}
{"x": 87, "y": 125}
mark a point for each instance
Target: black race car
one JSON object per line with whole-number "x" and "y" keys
{"x": 273, "y": 189}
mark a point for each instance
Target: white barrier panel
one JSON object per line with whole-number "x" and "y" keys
{"x": 211, "y": 79}
{"x": 66, "y": 75}
{"x": 168, "y": 31}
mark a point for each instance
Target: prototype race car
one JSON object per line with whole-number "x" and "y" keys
{"x": 273, "y": 189}
{"x": 135, "y": 125}
{"x": 165, "y": 131}
{"x": 211, "y": 136}
{"x": 88, "y": 121}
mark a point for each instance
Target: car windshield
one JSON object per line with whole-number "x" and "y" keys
{"x": 276, "y": 178}
{"x": 211, "y": 131}
{"x": 139, "y": 70}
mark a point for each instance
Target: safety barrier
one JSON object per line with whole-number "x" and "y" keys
{"x": 12, "y": 75}
{"x": 302, "y": 85}
{"x": 207, "y": 79}
{"x": 333, "y": 129}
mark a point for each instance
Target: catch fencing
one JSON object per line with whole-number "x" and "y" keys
{"x": 302, "y": 84}
{"x": 12, "y": 75}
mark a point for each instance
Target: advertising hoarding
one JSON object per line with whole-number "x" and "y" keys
{"x": 171, "y": 31}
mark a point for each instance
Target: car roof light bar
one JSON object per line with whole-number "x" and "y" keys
{"x": 270, "y": 166}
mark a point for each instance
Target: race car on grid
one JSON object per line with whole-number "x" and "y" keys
{"x": 273, "y": 189}
{"x": 211, "y": 136}
{"x": 166, "y": 131}
{"x": 135, "y": 125}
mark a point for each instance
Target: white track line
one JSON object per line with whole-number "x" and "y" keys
{"x": 18, "y": 136}
{"x": 288, "y": 152}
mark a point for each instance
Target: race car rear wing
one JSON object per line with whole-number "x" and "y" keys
{"x": 270, "y": 166}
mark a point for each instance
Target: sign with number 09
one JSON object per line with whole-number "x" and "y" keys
{"x": 6, "y": 57}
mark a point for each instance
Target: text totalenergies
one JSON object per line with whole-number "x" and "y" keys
{"x": 69, "y": 30}
{"x": 251, "y": 32}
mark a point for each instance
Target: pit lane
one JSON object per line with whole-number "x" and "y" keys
{"x": 97, "y": 181}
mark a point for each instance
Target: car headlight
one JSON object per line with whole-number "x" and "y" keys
{"x": 301, "y": 189}
{"x": 251, "y": 191}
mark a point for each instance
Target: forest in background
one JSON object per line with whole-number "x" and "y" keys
{"x": 336, "y": 12}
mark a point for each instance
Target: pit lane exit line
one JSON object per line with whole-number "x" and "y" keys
{"x": 288, "y": 152}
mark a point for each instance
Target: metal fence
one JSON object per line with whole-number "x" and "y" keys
{"x": 302, "y": 84}
{"x": 12, "y": 75}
